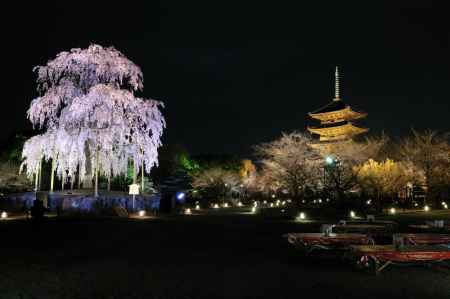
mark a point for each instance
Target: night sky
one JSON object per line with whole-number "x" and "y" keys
{"x": 233, "y": 75}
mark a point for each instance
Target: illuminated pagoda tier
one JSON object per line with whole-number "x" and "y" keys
{"x": 336, "y": 120}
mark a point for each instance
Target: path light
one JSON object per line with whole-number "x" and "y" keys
{"x": 320, "y": 201}
{"x": 254, "y": 209}
{"x": 302, "y": 216}
{"x": 352, "y": 214}
{"x": 273, "y": 195}
{"x": 225, "y": 205}
{"x": 265, "y": 202}
{"x": 141, "y": 213}
{"x": 392, "y": 211}
{"x": 283, "y": 203}
{"x": 4, "y": 215}
{"x": 187, "y": 211}
{"x": 239, "y": 204}
{"x": 216, "y": 206}
{"x": 369, "y": 202}
{"x": 426, "y": 208}
{"x": 197, "y": 207}
{"x": 255, "y": 204}
{"x": 271, "y": 204}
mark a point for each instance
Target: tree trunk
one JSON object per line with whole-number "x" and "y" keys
{"x": 96, "y": 173}
{"x": 40, "y": 175}
{"x": 52, "y": 175}
{"x": 63, "y": 177}
{"x": 79, "y": 178}
{"x": 36, "y": 175}
{"x": 142, "y": 177}
{"x": 134, "y": 171}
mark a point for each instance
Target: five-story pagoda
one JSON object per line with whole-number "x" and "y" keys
{"x": 336, "y": 120}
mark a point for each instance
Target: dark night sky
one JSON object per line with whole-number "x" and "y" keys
{"x": 233, "y": 75}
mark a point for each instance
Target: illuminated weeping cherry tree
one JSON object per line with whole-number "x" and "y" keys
{"x": 93, "y": 119}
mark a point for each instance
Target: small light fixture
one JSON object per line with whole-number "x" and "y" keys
{"x": 225, "y": 205}
{"x": 216, "y": 206}
{"x": 197, "y": 207}
{"x": 426, "y": 208}
{"x": 254, "y": 209}
{"x": 187, "y": 211}
{"x": 141, "y": 213}
{"x": 392, "y": 211}
{"x": 352, "y": 214}
{"x": 4, "y": 215}
{"x": 239, "y": 204}
{"x": 302, "y": 216}
{"x": 273, "y": 195}
{"x": 271, "y": 204}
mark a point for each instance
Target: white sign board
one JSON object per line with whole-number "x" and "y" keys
{"x": 134, "y": 189}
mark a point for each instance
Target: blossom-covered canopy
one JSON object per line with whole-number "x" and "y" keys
{"x": 90, "y": 112}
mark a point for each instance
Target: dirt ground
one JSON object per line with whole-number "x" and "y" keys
{"x": 212, "y": 256}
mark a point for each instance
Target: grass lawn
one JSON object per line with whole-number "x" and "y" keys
{"x": 208, "y": 256}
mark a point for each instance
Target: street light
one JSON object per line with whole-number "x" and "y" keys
{"x": 329, "y": 160}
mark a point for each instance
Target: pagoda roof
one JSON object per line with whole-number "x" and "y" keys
{"x": 336, "y": 111}
{"x": 337, "y": 131}
{"x": 334, "y": 105}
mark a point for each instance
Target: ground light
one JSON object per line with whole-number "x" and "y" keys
{"x": 4, "y": 215}
{"x": 254, "y": 209}
{"x": 255, "y": 204}
{"x": 187, "y": 211}
{"x": 352, "y": 214}
{"x": 225, "y": 205}
{"x": 301, "y": 216}
{"x": 444, "y": 204}
{"x": 239, "y": 204}
{"x": 271, "y": 204}
{"x": 392, "y": 211}
{"x": 197, "y": 207}
{"x": 141, "y": 213}
{"x": 216, "y": 206}
{"x": 426, "y": 208}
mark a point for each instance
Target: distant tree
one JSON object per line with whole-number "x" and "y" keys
{"x": 429, "y": 152}
{"x": 216, "y": 182}
{"x": 289, "y": 164}
{"x": 340, "y": 162}
{"x": 385, "y": 178}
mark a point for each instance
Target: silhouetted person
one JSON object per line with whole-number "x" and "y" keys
{"x": 38, "y": 210}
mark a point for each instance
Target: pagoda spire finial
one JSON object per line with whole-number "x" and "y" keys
{"x": 336, "y": 86}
